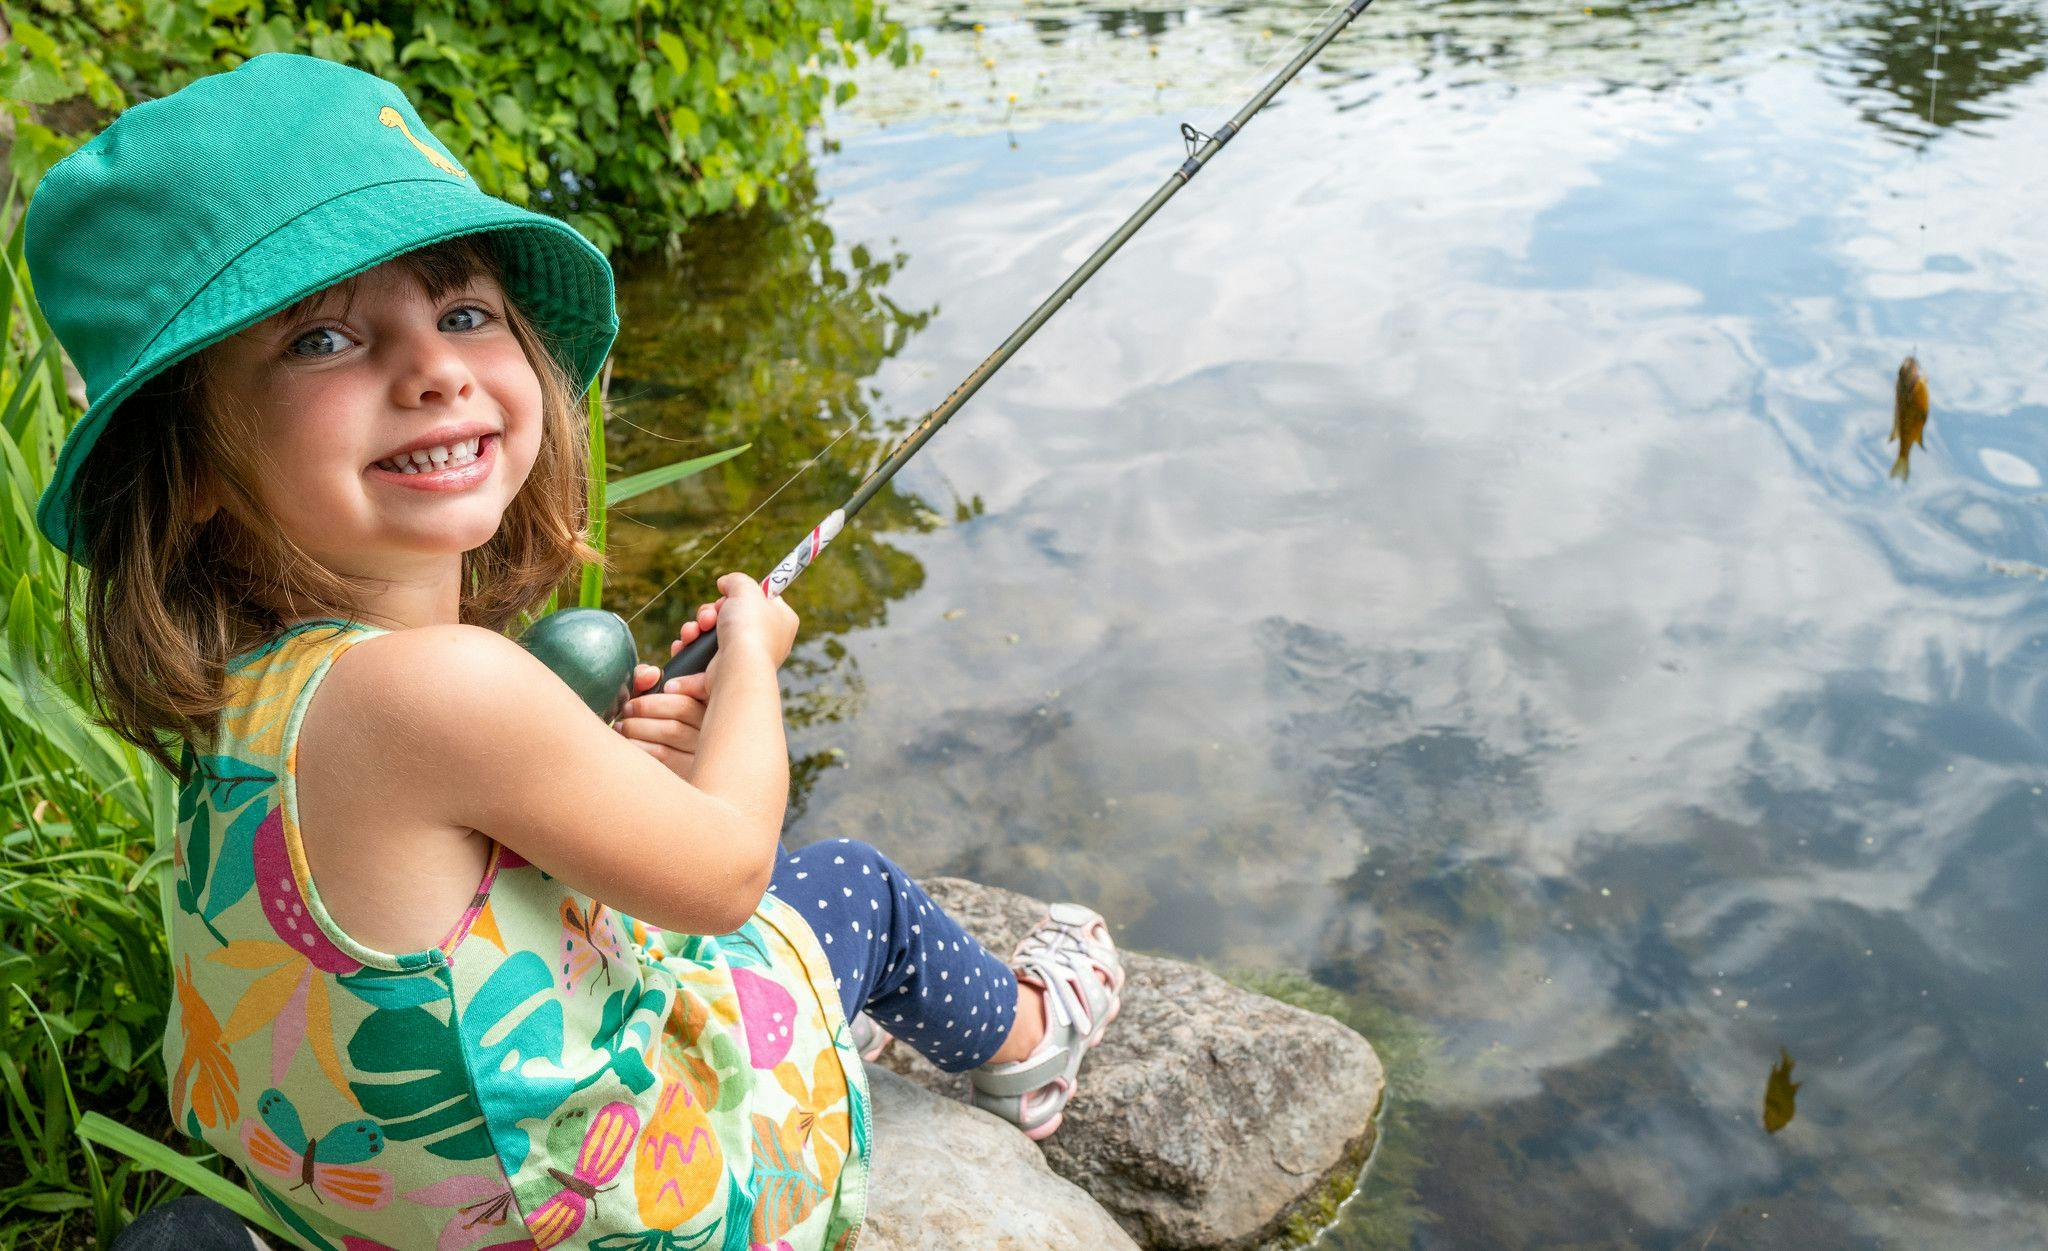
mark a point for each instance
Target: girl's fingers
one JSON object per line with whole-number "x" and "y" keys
{"x": 676, "y": 734}
{"x": 644, "y": 678}
{"x": 661, "y": 706}
{"x": 695, "y": 686}
{"x": 706, "y": 619}
{"x": 679, "y": 761}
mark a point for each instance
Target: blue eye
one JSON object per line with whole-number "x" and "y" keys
{"x": 478, "y": 316}
{"x": 316, "y": 335}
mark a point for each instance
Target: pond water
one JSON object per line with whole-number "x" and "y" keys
{"x": 1450, "y": 553}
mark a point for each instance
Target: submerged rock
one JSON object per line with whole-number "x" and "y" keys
{"x": 948, "y": 1177}
{"x": 1208, "y": 1117}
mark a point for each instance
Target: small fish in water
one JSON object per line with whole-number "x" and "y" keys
{"x": 1909, "y": 415}
{"x": 1780, "y": 1090}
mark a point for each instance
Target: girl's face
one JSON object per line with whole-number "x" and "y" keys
{"x": 396, "y": 431}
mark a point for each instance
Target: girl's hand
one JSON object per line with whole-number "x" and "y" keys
{"x": 747, "y": 620}
{"x": 666, "y": 724}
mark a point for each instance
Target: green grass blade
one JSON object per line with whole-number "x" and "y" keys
{"x": 24, "y": 390}
{"x": 641, "y": 483}
{"x": 591, "y": 593}
{"x": 152, "y": 1154}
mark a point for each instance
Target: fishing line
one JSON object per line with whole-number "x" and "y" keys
{"x": 1189, "y": 133}
{"x": 1910, "y": 397}
{"x": 735, "y": 529}
{"x": 1933, "y": 94}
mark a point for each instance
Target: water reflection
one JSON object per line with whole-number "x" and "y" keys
{"x": 1884, "y": 55}
{"x": 1073, "y": 60}
{"x": 766, "y": 329}
{"x": 1450, "y": 552}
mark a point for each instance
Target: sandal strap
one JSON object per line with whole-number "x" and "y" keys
{"x": 1023, "y": 1076}
{"x": 1013, "y": 1108}
{"x": 1070, "y": 957}
{"x": 1072, "y": 926}
{"x": 1075, "y": 996}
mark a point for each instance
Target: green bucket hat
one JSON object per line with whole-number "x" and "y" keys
{"x": 200, "y": 214}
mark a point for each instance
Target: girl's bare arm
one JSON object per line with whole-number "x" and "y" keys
{"x": 485, "y": 737}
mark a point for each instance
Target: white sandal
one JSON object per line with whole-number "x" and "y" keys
{"x": 1069, "y": 956}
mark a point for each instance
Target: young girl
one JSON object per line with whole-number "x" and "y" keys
{"x": 457, "y": 965}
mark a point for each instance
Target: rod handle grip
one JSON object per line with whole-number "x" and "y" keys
{"x": 694, "y": 658}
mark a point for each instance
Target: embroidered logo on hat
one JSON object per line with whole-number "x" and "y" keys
{"x": 389, "y": 116}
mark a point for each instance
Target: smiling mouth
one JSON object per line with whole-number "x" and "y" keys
{"x": 428, "y": 460}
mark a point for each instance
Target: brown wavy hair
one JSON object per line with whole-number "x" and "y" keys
{"x": 169, "y": 600}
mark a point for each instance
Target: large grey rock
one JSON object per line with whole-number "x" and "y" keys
{"x": 954, "y": 1178}
{"x": 1209, "y": 1116}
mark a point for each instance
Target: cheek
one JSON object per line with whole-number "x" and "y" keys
{"x": 518, "y": 392}
{"x": 307, "y": 439}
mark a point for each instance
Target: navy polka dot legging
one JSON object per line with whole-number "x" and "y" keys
{"x": 897, "y": 954}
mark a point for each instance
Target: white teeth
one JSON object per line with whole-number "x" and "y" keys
{"x": 426, "y": 460}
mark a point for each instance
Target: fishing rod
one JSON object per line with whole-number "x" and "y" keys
{"x": 592, "y": 649}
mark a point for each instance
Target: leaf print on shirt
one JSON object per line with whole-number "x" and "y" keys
{"x": 657, "y": 1240}
{"x": 626, "y": 1032}
{"x": 787, "y": 1192}
{"x": 820, "y": 1119}
{"x": 743, "y": 947}
{"x": 205, "y": 1062}
{"x": 411, "y": 1071}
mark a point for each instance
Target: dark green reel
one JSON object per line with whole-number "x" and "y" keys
{"x": 592, "y": 650}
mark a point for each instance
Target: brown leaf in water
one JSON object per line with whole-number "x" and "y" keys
{"x": 1779, "y": 1093}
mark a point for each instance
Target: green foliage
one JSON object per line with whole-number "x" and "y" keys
{"x": 82, "y": 988}
{"x": 627, "y": 118}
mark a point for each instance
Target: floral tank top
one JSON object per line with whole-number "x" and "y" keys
{"x": 554, "y": 1074}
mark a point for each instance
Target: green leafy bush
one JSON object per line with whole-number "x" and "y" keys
{"x": 625, "y": 117}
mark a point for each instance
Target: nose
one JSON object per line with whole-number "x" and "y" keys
{"x": 429, "y": 371}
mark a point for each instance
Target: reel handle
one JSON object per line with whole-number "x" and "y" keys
{"x": 695, "y": 658}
